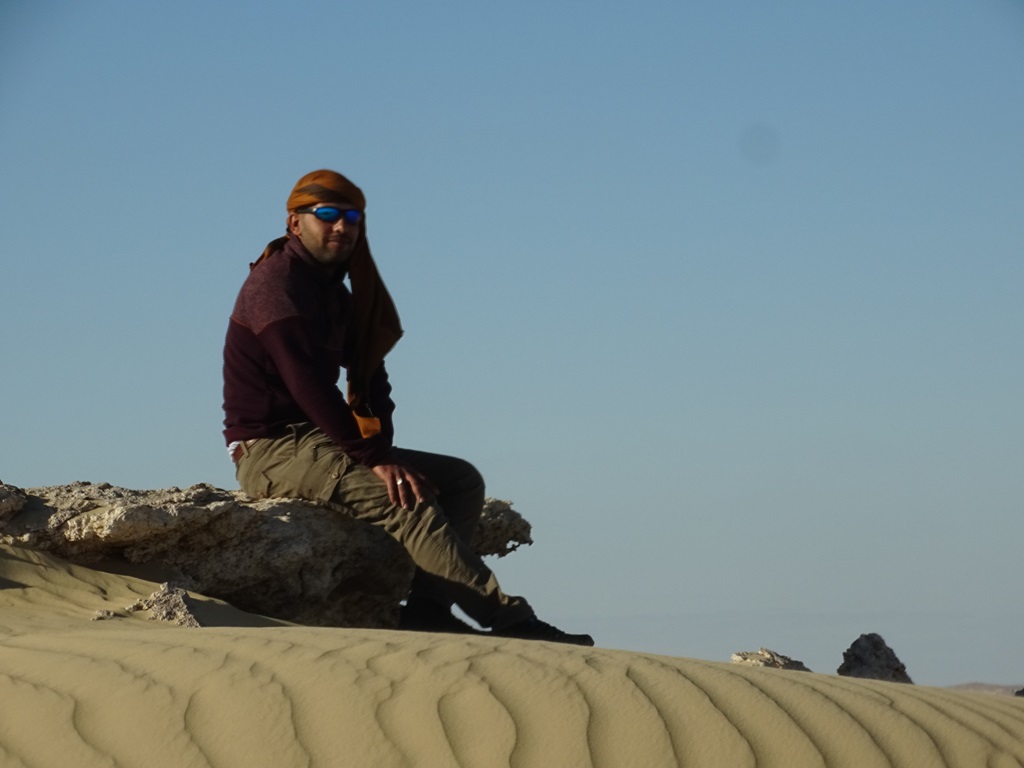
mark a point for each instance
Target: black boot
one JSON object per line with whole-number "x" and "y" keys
{"x": 420, "y": 615}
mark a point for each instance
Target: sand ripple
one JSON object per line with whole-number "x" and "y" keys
{"x": 128, "y": 692}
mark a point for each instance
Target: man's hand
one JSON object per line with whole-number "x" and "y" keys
{"x": 405, "y": 485}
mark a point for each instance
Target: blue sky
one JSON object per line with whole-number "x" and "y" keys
{"x": 725, "y": 297}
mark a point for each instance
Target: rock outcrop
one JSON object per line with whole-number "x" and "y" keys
{"x": 764, "y": 657}
{"x": 170, "y": 604}
{"x": 502, "y": 530}
{"x": 11, "y": 500}
{"x": 869, "y": 657}
{"x": 284, "y": 558}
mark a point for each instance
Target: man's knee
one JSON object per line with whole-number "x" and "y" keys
{"x": 458, "y": 476}
{"x": 472, "y": 478}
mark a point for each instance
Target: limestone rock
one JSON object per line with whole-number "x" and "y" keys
{"x": 501, "y": 531}
{"x": 285, "y": 558}
{"x": 169, "y": 604}
{"x": 11, "y": 501}
{"x": 869, "y": 657}
{"x": 764, "y": 657}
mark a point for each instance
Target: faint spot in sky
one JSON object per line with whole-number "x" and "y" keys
{"x": 759, "y": 143}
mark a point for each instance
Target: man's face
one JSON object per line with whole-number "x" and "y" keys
{"x": 331, "y": 244}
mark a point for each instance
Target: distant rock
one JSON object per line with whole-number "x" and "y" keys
{"x": 870, "y": 658}
{"x": 285, "y": 558}
{"x": 170, "y": 604}
{"x": 501, "y": 531}
{"x": 1019, "y": 693}
{"x": 767, "y": 658}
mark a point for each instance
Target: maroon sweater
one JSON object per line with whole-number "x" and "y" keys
{"x": 287, "y": 343}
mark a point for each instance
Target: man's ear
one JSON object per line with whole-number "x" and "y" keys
{"x": 293, "y": 223}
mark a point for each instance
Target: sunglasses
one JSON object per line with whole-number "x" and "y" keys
{"x": 331, "y": 214}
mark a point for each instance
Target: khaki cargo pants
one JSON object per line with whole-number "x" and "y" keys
{"x": 307, "y": 464}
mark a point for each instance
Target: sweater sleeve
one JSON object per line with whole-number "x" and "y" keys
{"x": 382, "y": 404}
{"x": 313, "y": 383}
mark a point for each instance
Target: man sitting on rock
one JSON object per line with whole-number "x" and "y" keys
{"x": 292, "y": 432}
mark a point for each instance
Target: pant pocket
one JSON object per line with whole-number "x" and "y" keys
{"x": 253, "y": 481}
{"x": 324, "y": 476}
{"x": 319, "y": 467}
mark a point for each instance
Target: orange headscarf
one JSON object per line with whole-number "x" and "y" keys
{"x": 377, "y": 326}
{"x": 325, "y": 187}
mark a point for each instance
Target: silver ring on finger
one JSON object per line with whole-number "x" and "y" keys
{"x": 399, "y": 481}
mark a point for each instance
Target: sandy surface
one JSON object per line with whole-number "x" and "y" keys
{"x": 248, "y": 692}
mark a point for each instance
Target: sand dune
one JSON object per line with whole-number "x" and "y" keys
{"x": 249, "y": 692}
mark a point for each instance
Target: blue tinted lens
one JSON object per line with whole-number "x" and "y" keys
{"x": 330, "y": 214}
